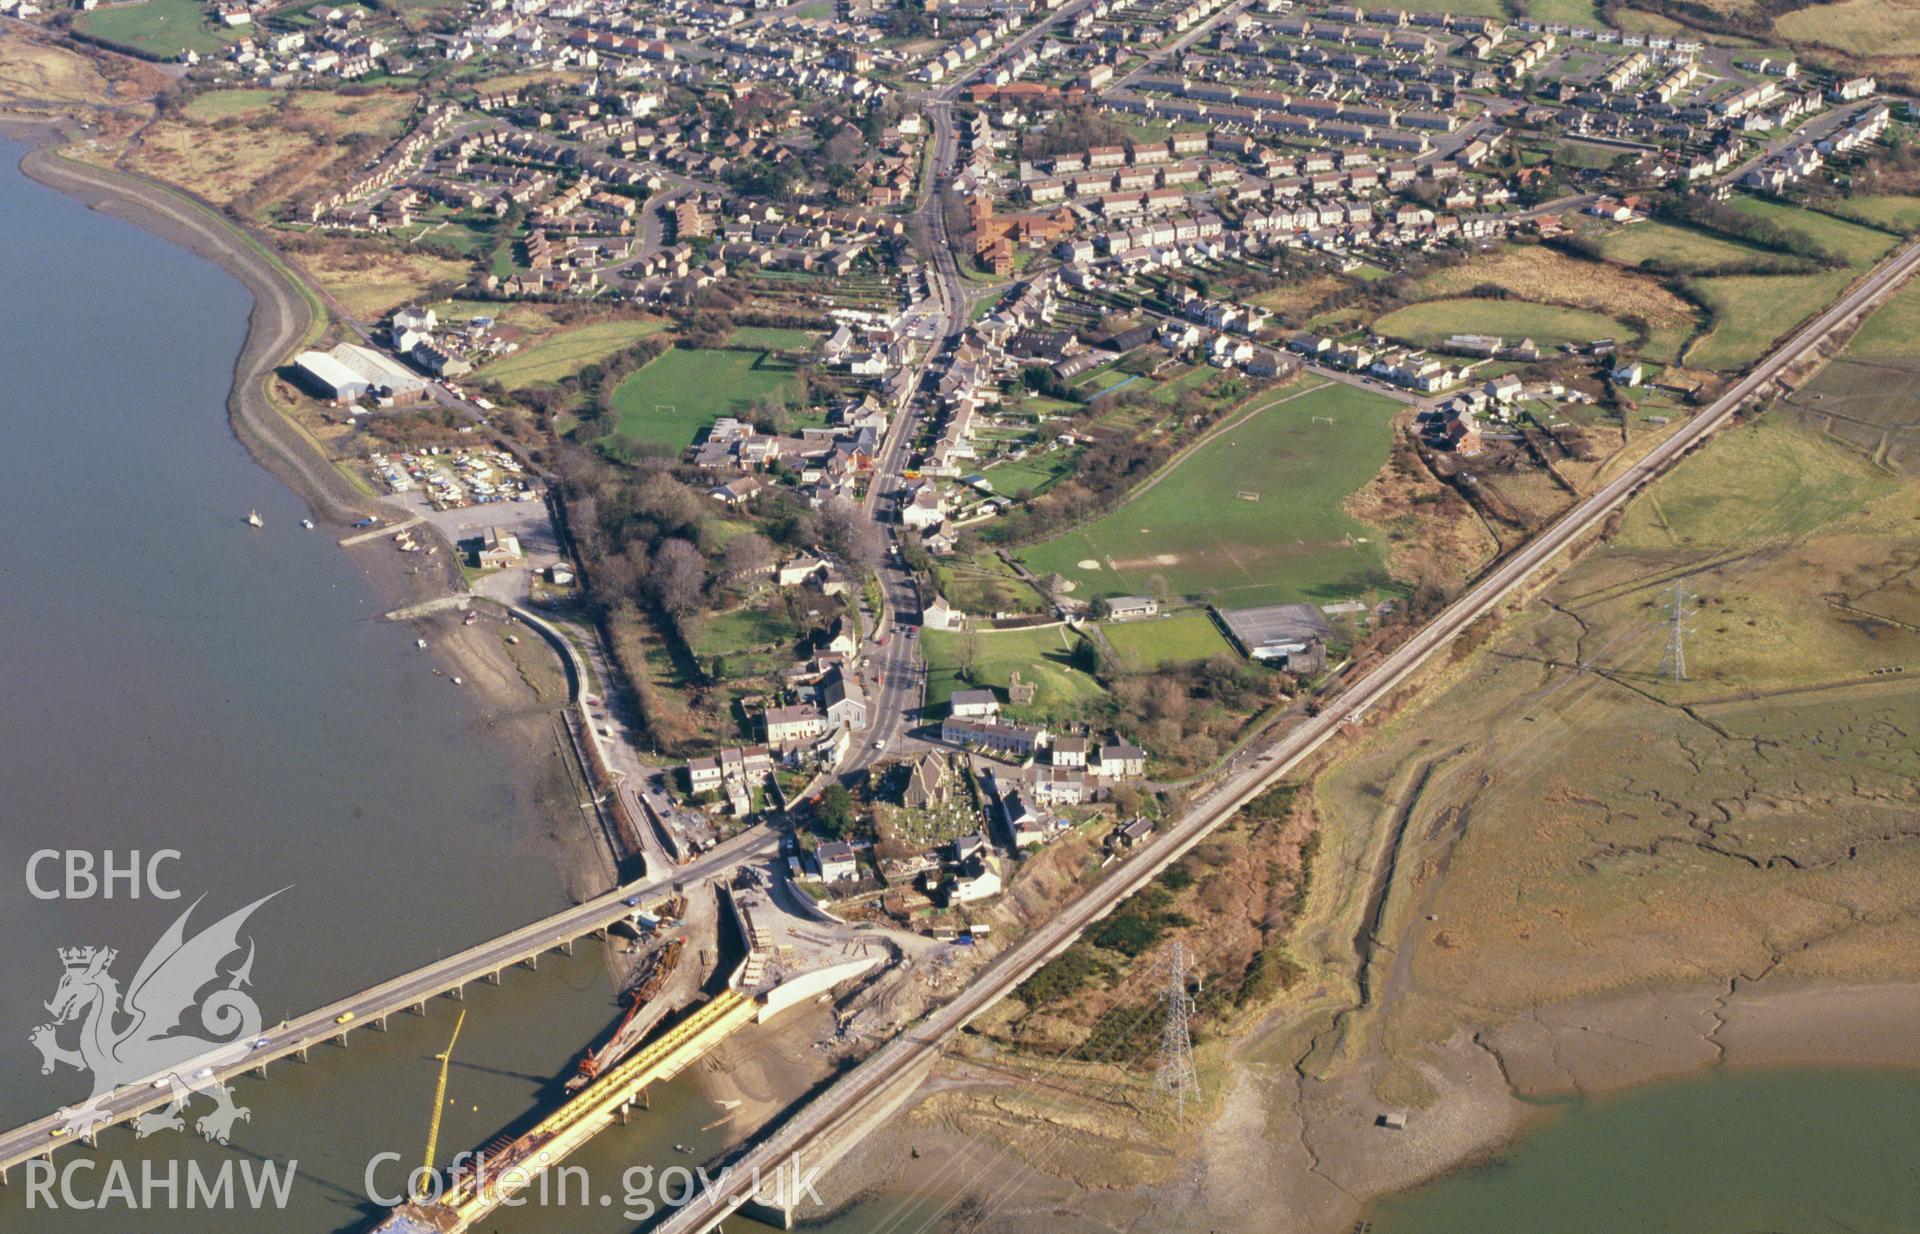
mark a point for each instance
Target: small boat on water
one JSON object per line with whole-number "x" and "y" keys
{"x": 420, "y": 642}
{"x": 254, "y": 519}
{"x": 307, "y": 523}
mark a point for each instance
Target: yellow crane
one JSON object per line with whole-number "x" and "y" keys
{"x": 425, "y": 1188}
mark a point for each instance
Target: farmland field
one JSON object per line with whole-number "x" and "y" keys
{"x": 1891, "y": 332}
{"x": 1861, "y": 246}
{"x": 1574, "y": 12}
{"x": 1547, "y": 276}
{"x": 1043, "y": 657}
{"x": 1862, "y": 27}
{"x": 1186, "y": 637}
{"x": 1872, "y": 406}
{"x": 1683, "y": 248}
{"x": 1887, "y": 210}
{"x": 674, "y": 398}
{"x": 1432, "y": 321}
{"x": 567, "y": 352}
{"x": 163, "y": 28}
{"x": 772, "y": 338}
{"x": 1757, "y": 309}
{"x": 1251, "y": 517}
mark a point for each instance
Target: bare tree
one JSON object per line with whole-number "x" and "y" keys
{"x": 744, "y": 557}
{"x": 616, "y": 577}
{"x": 676, "y": 577}
{"x": 670, "y": 503}
{"x": 851, "y": 534}
{"x": 970, "y": 654}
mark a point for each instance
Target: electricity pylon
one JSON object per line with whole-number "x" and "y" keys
{"x": 1674, "y": 663}
{"x": 1175, "y": 1074}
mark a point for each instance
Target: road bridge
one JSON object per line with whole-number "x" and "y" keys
{"x": 411, "y": 991}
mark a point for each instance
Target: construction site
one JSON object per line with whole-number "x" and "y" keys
{"x": 697, "y": 967}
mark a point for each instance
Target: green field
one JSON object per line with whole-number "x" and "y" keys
{"x": 1581, "y": 154}
{"x": 1899, "y": 213}
{"x": 1043, "y": 657}
{"x": 1431, "y": 322}
{"x": 1754, "y": 310}
{"x": 1169, "y": 391}
{"x": 220, "y": 104}
{"x": 674, "y": 398}
{"x": 1862, "y": 246}
{"x": 1682, "y": 248}
{"x": 163, "y": 28}
{"x": 985, "y": 585}
{"x": 1036, "y": 473}
{"x": 1186, "y": 637}
{"x": 772, "y": 338}
{"x": 1892, "y": 331}
{"x": 1472, "y": 8}
{"x": 1573, "y": 12}
{"x": 750, "y": 640}
{"x": 566, "y": 353}
{"x": 1251, "y": 517}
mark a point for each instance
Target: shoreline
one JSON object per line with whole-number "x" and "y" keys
{"x": 1299, "y": 1155}
{"x": 1496, "y": 1085}
{"x": 283, "y": 315}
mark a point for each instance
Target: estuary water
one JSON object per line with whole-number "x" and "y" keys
{"x": 174, "y": 679}
{"x": 1795, "y": 1151}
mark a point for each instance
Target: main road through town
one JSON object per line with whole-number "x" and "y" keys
{"x": 832, "y": 1113}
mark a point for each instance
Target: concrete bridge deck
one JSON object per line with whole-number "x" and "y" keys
{"x": 498, "y": 1176}
{"x": 371, "y": 1007}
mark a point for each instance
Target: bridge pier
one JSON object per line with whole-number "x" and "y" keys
{"x": 301, "y": 1053}
{"x": 381, "y": 1023}
{"x": 459, "y": 992}
{"x": 494, "y": 976}
{"x": 261, "y": 1071}
{"x": 532, "y": 962}
{"x": 420, "y": 1009}
{"x": 566, "y": 948}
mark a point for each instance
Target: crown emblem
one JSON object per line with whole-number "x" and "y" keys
{"x": 83, "y": 957}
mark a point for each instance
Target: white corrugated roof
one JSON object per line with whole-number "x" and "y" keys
{"x": 328, "y": 371}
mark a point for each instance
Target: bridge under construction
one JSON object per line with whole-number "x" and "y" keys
{"x": 409, "y": 992}
{"x": 496, "y": 1173}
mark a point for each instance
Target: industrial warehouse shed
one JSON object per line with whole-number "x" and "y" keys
{"x": 349, "y": 373}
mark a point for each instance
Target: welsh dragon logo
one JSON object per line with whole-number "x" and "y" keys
{"x": 145, "y": 1038}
